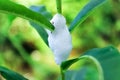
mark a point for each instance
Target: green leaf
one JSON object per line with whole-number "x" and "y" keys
{"x": 65, "y": 65}
{"x": 41, "y": 9}
{"x": 8, "y": 6}
{"x": 85, "y": 73}
{"x": 85, "y": 12}
{"x": 106, "y": 61}
{"x": 59, "y": 7}
{"x": 10, "y": 75}
{"x": 5, "y": 24}
{"x": 42, "y": 32}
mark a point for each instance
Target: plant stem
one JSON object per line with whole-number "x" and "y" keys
{"x": 59, "y": 7}
{"x": 62, "y": 75}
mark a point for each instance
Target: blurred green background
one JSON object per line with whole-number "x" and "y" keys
{"x": 23, "y": 50}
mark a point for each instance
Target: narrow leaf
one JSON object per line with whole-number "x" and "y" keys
{"x": 42, "y": 32}
{"x": 65, "y": 65}
{"x": 8, "y": 6}
{"x": 85, "y": 12}
{"x": 10, "y": 75}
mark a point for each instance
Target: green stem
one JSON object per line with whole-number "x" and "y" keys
{"x": 59, "y": 7}
{"x": 63, "y": 74}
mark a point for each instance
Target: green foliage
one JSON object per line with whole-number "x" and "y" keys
{"x": 42, "y": 32}
{"x": 96, "y": 64}
{"x": 10, "y": 75}
{"x": 104, "y": 60}
{"x": 82, "y": 15}
{"x": 5, "y": 26}
{"x": 19, "y": 10}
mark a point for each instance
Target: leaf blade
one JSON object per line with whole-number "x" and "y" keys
{"x": 42, "y": 32}
{"x": 10, "y": 75}
{"x": 85, "y": 12}
{"x": 105, "y": 56}
{"x": 21, "y": 11}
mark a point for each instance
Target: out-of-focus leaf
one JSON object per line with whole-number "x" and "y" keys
{"x": 42, "y": 32}
{"x": 106, "y": 60}
{"x": 10, "y": 75}
{"x": 5, "y": 23}
{"x": 85, "y": 12}
{"x": 7, "y": 6}
{"x": 42, "y": 10}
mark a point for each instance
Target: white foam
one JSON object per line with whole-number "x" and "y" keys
{"x": 60, "y": 40}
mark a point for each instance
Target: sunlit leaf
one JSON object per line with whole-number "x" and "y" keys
{"x": 7, "y": 6}
{"x": 5, "y": 24}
